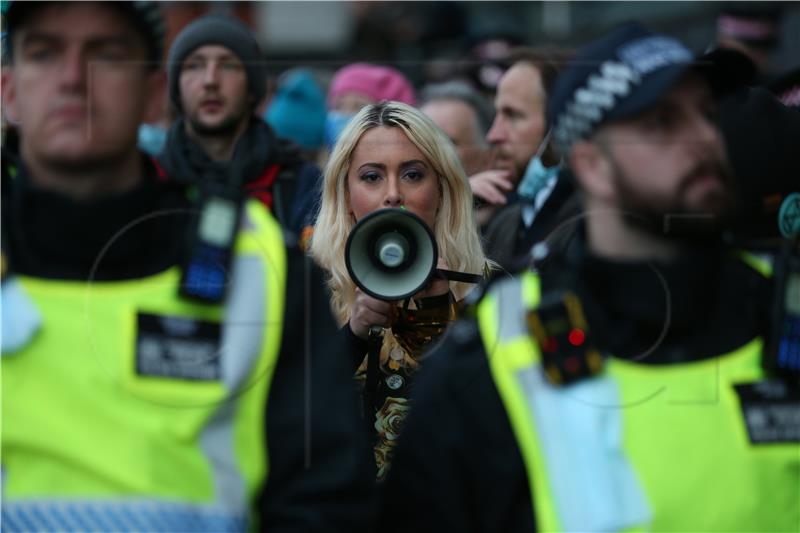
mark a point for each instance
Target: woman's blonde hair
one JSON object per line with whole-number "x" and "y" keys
{"x": 455, "y": 228}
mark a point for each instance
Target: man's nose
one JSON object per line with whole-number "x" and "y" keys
{"x": 211, "y": 74}
{"x": 705, "y": 134}
{"x": 74, "y": 71}
{"x": 497, "y": 133}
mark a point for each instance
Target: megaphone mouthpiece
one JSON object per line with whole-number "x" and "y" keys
{"x": 392, "y": 249}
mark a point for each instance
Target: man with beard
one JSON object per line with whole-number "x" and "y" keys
{"x": 217, "y": 78}
{"x": 128, "y": 405}
{"x": 630, "y": 388}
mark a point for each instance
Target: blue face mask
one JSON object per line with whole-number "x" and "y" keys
{"x": 536, "y": 174}
{"x": 152, "y": 139}
{"x": 536, "y": 177}
{"x": 335, "y": 122}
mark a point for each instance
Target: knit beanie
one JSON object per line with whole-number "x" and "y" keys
{"x": 376, "y": 82}
{"x": 224, "y": 31}
{"x": 297, "y": 111}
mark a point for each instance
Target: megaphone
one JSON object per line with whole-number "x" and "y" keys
{"x": 391, "y": 254}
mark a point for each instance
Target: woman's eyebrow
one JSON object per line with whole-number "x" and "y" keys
{"x": 411, "y": 162}
{"x": 376, "y": 165}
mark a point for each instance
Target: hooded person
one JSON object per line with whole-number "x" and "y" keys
{"x": 357, "y": 85}
{"x": 297, "y": 111}
{"x": 217, "y": 77}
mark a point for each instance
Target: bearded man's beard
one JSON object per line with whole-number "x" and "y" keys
{"x": 672, "y": 217}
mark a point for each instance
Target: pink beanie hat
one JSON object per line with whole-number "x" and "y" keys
{"x": 378, "y": 83}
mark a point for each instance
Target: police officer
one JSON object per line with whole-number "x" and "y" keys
{"x": 632, "y": 387}
{"x": 144, "y": 386}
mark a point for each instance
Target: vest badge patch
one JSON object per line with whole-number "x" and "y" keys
{"x": 177, "y": 348}
{"x": 771, "y": 411}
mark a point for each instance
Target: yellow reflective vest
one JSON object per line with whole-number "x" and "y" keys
{"x": 104, "y": 432}
{"x": 639, "y": 447}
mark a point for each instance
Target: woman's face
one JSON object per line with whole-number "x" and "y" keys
{"x": 387, "y": 170}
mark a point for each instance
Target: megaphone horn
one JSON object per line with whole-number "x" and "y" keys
{"x": 391, "y": 254}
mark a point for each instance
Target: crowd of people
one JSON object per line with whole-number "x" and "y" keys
{"x": 607, "y": 338}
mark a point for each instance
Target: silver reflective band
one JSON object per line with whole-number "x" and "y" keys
{"x": 118, "y": 515}
{"x": 590, "y": 103}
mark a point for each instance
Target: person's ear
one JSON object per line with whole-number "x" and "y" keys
{"x": 9, "y": 96}
{"x": 593, "y": 170}
{"x": 156, "y": 91}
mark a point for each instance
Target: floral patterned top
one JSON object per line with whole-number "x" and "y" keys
{"x": 388, "y": 402}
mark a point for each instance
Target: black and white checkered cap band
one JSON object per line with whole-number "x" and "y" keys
{"x": 613, "y": 82}
{"x": 150, "y": 12}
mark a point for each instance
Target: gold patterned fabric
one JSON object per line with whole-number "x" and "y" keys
{"x": 414, "y": 330}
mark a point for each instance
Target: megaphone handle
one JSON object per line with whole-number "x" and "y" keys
{"x": 463, "y": 277}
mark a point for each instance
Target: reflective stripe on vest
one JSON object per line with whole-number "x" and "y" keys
{"x": 87, "y": 439}
{"x": 653, "y": 447}
{"x": 104, "y": 516}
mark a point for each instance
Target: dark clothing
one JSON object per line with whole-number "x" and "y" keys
{"x": 508, "y": 241}
{"x": 268, "y": 167}
{"x": 319, "y": 477}
{"x": 761, "y": 136}
{"x": 51, "y": 236}
{"x": 458, "y": 466}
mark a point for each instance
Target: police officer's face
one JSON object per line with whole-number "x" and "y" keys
{"x": 670, "y": 160}
{"x": 388, "y": 170}
{"x": 79, "y": 86}
{"x": 214, "y": 92}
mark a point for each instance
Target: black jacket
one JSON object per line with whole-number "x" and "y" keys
{"x": 508, "y": 241}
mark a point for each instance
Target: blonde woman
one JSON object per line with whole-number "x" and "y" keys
{"x": 392, "y": 156}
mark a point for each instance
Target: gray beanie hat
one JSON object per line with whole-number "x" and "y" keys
{"x": 224, "y": 31}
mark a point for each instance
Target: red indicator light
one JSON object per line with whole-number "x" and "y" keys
{"x": 576, "y": 337}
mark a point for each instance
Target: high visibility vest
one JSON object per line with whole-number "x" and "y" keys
{"x": 638, "y": 447}
{"x": 101, "y": 432}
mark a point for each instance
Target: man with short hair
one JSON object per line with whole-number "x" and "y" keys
{"x": 217, "y": 78}
{"x": 527, "y": 202}
{"x": 631, "y": 388}
{"x": 465, "y": 116}
{"x": 157, "y": 363}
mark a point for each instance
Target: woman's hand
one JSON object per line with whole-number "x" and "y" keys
{"x": 437, "y": 286}
{"x": 368, "y": 311}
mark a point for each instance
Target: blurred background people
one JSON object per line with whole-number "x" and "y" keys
{"x": 393, "y": 156}
{"x": 357, "y": 85}
{"x": 297, "y": 111}
{"x": 465, "y": 116}
{"x": 216, "y": 81}
{"x": 155, "y": 407}
{"x": 754, "y": 29}
{"x": 529, "y": 184}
